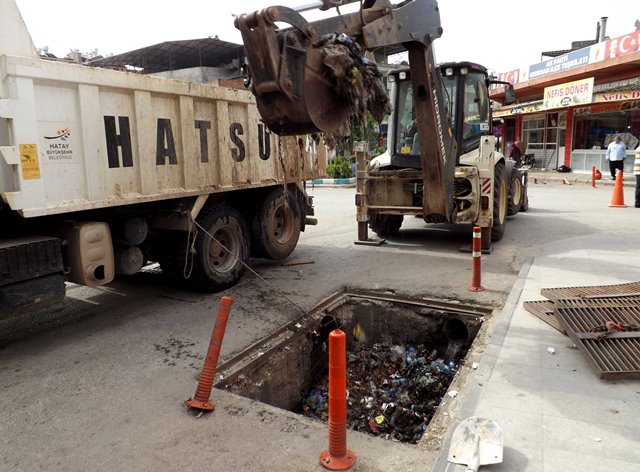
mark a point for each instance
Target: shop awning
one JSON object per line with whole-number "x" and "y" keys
{"x": 517, "y": 108}
{"x": 620, "y": 90}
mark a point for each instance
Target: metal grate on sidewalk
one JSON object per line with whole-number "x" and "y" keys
{"x": 593, "y": 291}
{"x": 614, "y": 354}
{"x": 592, "y": 317}
{"x": 543, "y": 309}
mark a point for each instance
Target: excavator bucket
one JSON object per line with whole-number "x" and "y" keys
{"x": 292, "y": 88}
{"x": 288, "y": 77}
{"x": 327, "y": 111}
{"x": 312, "y": 77}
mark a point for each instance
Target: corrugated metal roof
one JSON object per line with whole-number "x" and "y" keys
{"x": 174, "y": 55}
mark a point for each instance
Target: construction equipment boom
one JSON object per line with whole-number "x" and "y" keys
{"x": 441, "y": 161}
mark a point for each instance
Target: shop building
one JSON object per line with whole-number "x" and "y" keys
{"x": 571, "y": 106}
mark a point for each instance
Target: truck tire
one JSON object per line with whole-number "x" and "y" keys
{"x": 500, "y": 202}
{"x": 276, "y": 225}
{"x": 385, "y": 225}
{"x": 516, "y": 194}
{"x": 219, "y": 263}
{"x": 170, "y": 250}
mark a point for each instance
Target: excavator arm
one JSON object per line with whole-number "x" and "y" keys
{"x": 311, "y": 76}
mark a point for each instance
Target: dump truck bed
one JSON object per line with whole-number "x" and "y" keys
{"x": 75, "y": 137}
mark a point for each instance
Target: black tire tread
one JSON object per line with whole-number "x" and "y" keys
{"x": 171, "y": 249}
{"x": 262, "y": 245}
{"x": 514, "y": 207}
{"x": 497, "y": 230}
{"x": 385, "y": 225}
{"x": 201, "y": 278}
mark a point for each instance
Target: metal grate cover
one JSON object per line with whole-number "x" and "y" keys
{"x": 543, "y": 309}
{"x": 615, "y": 355}
{"x": 593, "y": 291}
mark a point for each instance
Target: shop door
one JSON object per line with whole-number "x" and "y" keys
{"x": 542, "y": 139}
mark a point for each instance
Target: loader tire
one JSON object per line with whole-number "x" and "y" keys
{"x": 219, "y": 262}
{"x": 516, "y": 192}
{"x": 500, "y": 203}
{"x": 385, "y": 225}
{"x": 276, "y": 225}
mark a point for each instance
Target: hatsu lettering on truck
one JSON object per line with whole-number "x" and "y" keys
{"x": 264, "y": 142}
{"x": 120, "y": 154}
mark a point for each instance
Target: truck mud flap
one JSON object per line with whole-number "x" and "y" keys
{"x": 29, "y": 257}
{"x": 31, "y": 274}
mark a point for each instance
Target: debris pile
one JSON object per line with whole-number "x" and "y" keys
{"x": 356, "y": 79}
{"x": 392, "y": 390}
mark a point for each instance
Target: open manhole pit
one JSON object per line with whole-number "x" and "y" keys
{"x": 402, "y": 355}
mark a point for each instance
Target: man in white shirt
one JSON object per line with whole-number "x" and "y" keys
{"x": 636, "y": 171}
{"x": 615, "y": 155}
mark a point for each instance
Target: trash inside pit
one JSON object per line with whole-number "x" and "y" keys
{"x": 402, "y": 355}
{"x": 392, "y": 390}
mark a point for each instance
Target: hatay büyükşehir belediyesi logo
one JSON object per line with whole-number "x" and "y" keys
{"x": 61, "y": 134}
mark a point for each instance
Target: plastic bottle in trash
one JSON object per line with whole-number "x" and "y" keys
{"x": 411, "y": 355}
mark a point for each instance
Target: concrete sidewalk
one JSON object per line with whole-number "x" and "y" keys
{"x": 555, "y": 412}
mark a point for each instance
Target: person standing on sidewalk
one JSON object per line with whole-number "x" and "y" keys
{"x": 636, "y": 172}
{"x": 515, "y": 153}
{"x": 615, "y": 155}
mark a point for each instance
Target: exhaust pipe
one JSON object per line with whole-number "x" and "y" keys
{"x": 603, "y": 28}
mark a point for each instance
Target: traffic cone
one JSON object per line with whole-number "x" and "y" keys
{"x": 617, "y": 199}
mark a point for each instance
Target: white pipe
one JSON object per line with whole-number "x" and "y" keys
{"x": 603, "y": 28}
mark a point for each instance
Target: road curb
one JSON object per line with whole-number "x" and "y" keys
{"x": 344, "y": 182}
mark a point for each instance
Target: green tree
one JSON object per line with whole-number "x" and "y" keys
{"x": 340, "y": 168}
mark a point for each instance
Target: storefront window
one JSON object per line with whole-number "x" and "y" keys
{"x": 597, "y": 131}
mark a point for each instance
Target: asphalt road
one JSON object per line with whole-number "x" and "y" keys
{"x": 101, "y": 388}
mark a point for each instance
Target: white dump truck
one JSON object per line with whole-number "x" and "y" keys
{"x": 103, "y": 171}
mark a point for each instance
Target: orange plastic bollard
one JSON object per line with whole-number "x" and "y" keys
{"x": 201, "y": 398}
{"x": 475, "y": 264}
{"x": 617, "y": 199}
{"x": 337, "y": 457}
{"x": 593, "y": 176}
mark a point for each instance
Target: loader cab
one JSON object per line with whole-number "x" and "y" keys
{"x": 466, "y": 98}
